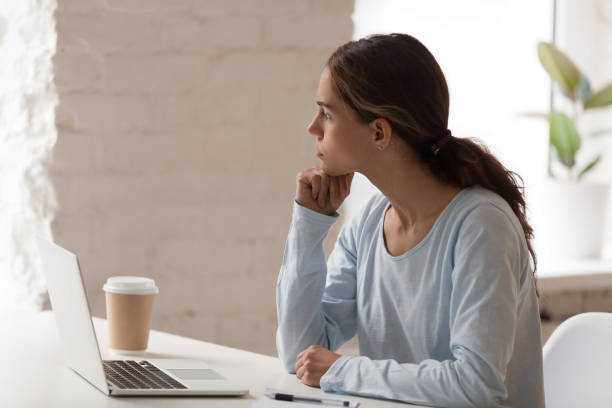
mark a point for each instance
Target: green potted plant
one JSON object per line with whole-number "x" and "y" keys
{"x": 570, "y": 222}
{"x": 575, "y": 86}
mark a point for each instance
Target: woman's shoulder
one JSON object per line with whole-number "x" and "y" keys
{"x": 483, "y": 216}
{"x": 478, "y": 205}
{"x": 479, "y": 199}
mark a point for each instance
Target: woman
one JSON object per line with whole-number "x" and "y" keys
{"x": 435, "y": 275}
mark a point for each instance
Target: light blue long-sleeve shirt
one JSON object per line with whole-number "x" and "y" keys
{"x": 452, "y": 322}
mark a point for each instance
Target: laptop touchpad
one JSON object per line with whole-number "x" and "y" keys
{"x": 196, "y": 374}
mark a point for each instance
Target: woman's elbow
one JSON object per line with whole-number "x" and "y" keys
{"x": 480, "y": 383}
{"x": 289, "y": 366}
{"x": 288, "y": 362}
{"x": 287, "y": 358}
{"x": 484, "y": 395}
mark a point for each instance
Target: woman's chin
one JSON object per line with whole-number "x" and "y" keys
{"x": 331, "y": 171}
{"x": 326, "y": 168}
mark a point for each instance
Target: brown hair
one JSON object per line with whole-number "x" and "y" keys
{"x": 395, "y": 77}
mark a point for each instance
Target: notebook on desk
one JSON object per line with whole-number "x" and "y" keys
{"x": 145, "y": 377}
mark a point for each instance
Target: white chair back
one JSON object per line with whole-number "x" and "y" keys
{"x": 578, "y": 362}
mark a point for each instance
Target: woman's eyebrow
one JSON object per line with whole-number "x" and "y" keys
{"x": 325, "y": 105}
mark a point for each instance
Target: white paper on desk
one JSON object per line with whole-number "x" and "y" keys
{"x": 266, "y": 402}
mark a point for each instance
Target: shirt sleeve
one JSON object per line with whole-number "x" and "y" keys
{"x": 315, "y": 299}
{"x": 483, "y": 318}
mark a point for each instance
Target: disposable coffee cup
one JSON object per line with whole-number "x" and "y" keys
{"x": 129, "y": 308}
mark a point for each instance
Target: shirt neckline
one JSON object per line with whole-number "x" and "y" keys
{"x": 406, "y": 254}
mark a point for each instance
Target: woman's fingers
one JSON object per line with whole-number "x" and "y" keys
{"x": 348, "y": 179}
{"x": 323, "y": 190}
{"x": 334, "y": 193}
{"x": 347, "y": 186}
{"x": 316, "y": 186}
{"x": 344, "y": 183}
{"x": 299, "y": 372}
{"x": 326, "y": 192}
{"x": 298, "y": 364}
{"x": 342, "y": 188}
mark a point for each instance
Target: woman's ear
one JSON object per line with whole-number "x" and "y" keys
{"x": 381, "y": 130}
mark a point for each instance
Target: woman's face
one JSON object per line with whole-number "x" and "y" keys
{"x": 342, "y": 141}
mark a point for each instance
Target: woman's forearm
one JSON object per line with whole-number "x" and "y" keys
{"x": 300, "y": 285}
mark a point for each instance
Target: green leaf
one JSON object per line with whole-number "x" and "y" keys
{"x": 599, "y": 99}
{"x": 559, "y": 67}
{"x": 564, "y": 137}
{"x": 589, "y": 166}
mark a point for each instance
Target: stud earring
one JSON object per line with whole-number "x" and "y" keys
{"x": 380, "y": 147}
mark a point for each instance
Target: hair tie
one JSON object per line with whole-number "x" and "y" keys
{"x": 435, "y": 148}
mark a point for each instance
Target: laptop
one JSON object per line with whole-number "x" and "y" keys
{"x": 144, "y": 376}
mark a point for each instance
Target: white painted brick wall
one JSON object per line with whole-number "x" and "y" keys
{"x": 27, "y": 136}
{"x": 181, "y": 126}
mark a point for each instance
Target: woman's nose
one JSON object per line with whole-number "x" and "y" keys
{"x": 309, "y": 127}
{"x": 313, "y": 128}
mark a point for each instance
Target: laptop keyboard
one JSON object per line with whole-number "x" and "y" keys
{"x": 129, "y": 374}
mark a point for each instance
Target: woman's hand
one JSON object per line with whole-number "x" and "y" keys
{"x": 321, "y": 192}
{"x": 312, "y": 363}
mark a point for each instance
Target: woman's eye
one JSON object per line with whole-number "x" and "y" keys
{"x": 325, "y": 115}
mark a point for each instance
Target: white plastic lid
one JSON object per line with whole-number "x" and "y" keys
{"x": 130, "y": 285}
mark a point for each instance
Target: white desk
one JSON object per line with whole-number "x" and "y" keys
{"x": 30, "y": 339}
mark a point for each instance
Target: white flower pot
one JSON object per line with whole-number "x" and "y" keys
{"x": 568, "y": 219}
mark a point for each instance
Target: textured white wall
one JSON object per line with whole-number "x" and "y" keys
{"x": 27, "y": 134}
{"x": 181, "y": 127}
